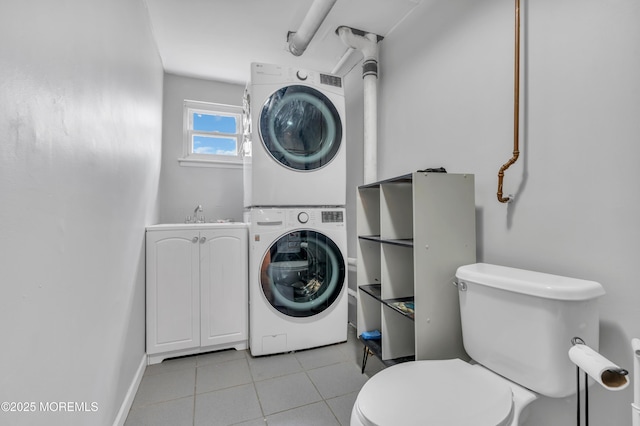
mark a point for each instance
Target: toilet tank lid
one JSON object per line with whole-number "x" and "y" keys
{"x": 538, "y": 284}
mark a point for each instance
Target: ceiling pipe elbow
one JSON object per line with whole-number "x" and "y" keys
{"x": 299, "y": 40}
{"x": 366, "y": 43}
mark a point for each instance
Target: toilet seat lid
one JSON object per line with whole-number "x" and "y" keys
{"x": 448, "y": 392}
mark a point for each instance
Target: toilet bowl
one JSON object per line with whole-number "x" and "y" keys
{"x": 443, "y": 393}
{"x": 517, "y": 326}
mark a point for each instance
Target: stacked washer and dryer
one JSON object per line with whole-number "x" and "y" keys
{"x": 294, "y": 197}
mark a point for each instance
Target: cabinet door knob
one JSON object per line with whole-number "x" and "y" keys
{"x": 203, "y": 239}
{"x": 194, "y": 240}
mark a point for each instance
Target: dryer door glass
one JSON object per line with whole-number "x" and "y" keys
{"x": 302, "y": 273}
{"x": 300, "y": 128}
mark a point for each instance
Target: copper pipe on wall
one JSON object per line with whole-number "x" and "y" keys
{"x": 516, "y": 109}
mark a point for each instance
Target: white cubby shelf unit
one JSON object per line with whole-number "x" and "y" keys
{"x": 414, "y": 231}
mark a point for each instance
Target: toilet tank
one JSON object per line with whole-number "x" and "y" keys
{"x": 520, "y": 323}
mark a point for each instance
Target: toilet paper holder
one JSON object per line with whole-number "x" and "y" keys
{"x": 603, "y": 371}
{"x": 613, "y": 368}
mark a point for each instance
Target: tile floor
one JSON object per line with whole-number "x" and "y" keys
{"x": 314, "y": 387}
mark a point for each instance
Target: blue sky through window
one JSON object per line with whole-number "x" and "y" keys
{"x": 216, "y": 145}
{"x": 214, "y": 123}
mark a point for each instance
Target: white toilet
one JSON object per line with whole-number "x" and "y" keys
{"x": 517, "y": 327}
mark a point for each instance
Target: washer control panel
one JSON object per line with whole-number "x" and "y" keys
{"x": 311, "y": 216}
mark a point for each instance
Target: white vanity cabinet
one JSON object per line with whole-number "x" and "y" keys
{"x": 196, "y": 289}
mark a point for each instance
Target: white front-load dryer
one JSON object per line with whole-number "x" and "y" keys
{"x": 295, "y": 152}
{"x": 297, "y": 279}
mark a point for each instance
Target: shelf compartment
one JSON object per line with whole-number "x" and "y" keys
{"x": 375, "y": 346}
{"x": 369, "y": 312}
{"x": 396, "y": 211}
{"x": 375, "y": 291}
{"x": 369, "y": 268}
{"x": 405, "y": 242}
{"x": 396, "y": 269}
{"x": 396, "y": 305}
{"x": 368, "y": 211}
{"x": 398, "y": 334}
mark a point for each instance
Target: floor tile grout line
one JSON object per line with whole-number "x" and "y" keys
{"x": 164, "y": 401}
{"x": 301, "y": 406}
{"x": 222, "y": 388}
{"x": 280, "y": 375}
{"x": 322, "y": 396}
{"x": 264, "y": 417}
{"x": 195, "y": 387}
{"x": 239, "y": 385}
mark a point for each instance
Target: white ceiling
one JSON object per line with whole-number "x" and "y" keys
{"x": 218, "y": 39}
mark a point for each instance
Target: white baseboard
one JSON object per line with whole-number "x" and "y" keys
{"x": 131, "y": 393}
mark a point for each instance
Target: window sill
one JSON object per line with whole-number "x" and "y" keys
{"x": 222, "y": 164}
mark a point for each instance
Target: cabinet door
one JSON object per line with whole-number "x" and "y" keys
{"x": 173, "y": 294}
{"x": 224, "y": 286}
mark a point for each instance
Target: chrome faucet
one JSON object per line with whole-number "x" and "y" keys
{"x": 197, "y": 219}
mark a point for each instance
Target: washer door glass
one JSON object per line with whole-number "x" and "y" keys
{"x": 300, "y": 128}
{"x": 302, "y": 273}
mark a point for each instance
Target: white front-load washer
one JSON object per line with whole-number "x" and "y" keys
{"x": 296, "y": 155}
{"x": 297, "y": 278}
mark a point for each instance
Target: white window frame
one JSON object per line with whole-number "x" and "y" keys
{"x": 192, "y": 159}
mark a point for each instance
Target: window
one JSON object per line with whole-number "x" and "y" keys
{"x": 212, "y": 135}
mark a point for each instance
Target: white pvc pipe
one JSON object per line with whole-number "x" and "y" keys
{"x": 309, "y": 26}
{"x": 343, "y": 60}
{"x": 635, "y": 406}
{"x": 368, "y": 44}
{"x": 370, "y": 147}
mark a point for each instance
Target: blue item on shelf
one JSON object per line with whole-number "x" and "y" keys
{"x": 371, "y": 335}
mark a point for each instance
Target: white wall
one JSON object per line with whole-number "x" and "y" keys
{"x": 446, "y": 99}
{"x": 80, "y": 141}
{"x": 218, "y": 190}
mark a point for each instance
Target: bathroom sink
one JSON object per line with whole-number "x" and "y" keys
{"x": 202, "y": 225}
